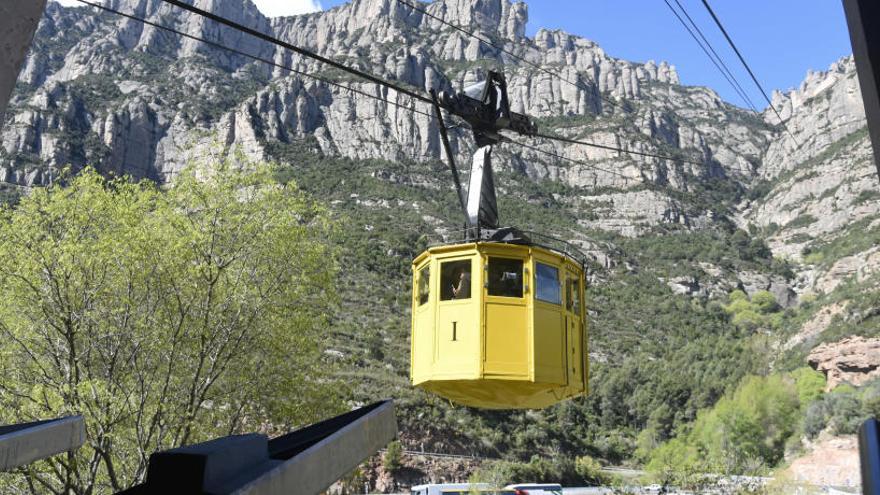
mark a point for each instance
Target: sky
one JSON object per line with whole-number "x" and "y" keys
{"x": 780, "y": 39}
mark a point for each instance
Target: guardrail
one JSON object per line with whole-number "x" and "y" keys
{"x": 25, "y": 443}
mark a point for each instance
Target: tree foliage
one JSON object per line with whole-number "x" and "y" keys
{"x": 165, "y": 317}
{"x": 745, "y": 432}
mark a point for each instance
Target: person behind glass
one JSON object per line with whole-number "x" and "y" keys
{"x": 463, "y": 289}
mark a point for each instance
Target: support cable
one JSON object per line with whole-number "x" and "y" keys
{"x": 510, "y": 53}
{"x": 418, "y": 97}
{"x": 560, "y": 157}
{"x": 252, "y": 57}
{"x": 746, "y": 65}
{"x": 614, "y": 148}
{"x": 302, "y": 51}
{"x": 706, "y": 47}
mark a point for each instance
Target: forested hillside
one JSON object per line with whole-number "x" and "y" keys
{"x": 711, "y": 282}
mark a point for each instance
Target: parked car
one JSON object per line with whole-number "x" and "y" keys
{"x": 536, "y": 488}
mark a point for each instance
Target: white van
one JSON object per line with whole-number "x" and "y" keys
{"x": 459, "y": 489}
{"x": 536, "y": 488}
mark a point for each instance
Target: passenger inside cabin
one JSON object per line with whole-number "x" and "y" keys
{"x": 463, "y": 289}
{"x": 455, "y": 280}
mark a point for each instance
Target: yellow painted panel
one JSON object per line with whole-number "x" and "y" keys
{"x": 423, "y": 342}
{"x": 507, "y": 340}
{"x": 457, "y": 339}
{"x": 422, "y": 335}
{"x": 549, "y": 341}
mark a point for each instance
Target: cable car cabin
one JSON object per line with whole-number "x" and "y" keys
{"x": 498, "y": 325}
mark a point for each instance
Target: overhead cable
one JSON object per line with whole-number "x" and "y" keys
{"x": 302, "y": 51}
{"x": 558, "y": 156}
{"x": 364, "y": 75}
{"x": 614, "y": 148}
{"x": 252, "y": 57}
{"x": 508, "y": 52}
{"x": 746, "y": 65}
{"x": 706, "y": 47}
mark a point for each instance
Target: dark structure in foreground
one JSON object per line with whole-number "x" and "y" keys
{"x": 863, "y": 20}
{"x": 869, "y": 452}
{"x": 305, "y": 462}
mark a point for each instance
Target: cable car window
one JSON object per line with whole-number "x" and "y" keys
{"x": 573, "y": 296}
{"x": 547, "y": 287}
{"x": 505, "y": 277}
{"x": 424, "y": 284}
{"x": 455, "y": 280}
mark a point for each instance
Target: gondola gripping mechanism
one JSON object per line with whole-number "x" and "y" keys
{"x": 485, "y": 106}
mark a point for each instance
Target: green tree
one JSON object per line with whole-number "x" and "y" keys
{"x": 165, "y": 317}
{"x": 765, "y": 301}
{"x": 393, "y": 458}
{"x": 743, "y": 433}
{"x": 590, "y": 470}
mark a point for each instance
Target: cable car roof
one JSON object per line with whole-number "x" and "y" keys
{"x": 511, "y": 236}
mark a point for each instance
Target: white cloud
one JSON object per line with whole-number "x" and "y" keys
{"x": 70, "y": 3}
{"x": 275, "y": 8}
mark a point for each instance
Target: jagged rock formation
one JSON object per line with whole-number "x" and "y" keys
{"x": 854, "y": 360}
{"x": 822, "y": 174}
{"x": 130, "y": 98}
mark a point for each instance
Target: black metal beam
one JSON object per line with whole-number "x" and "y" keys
{"x": 863, "y": 18}
{"x": 18, "y": 22}
{"x": 305, "y": 462}
{"x": 869, "y": 452}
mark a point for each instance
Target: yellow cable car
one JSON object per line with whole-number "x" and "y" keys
{"x": 499, "y": 325}
{"x": 498, "y": 321}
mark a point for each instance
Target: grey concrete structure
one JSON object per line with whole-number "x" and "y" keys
{"x": 18, "y": 22}
{"x": 23, "y": 444}
{"x": 863, "y": 18}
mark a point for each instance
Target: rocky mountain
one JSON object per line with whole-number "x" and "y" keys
{"x": 753, "y": 205}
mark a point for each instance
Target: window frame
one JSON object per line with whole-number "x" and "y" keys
{"x": 523, "y": 270}
{"x": 420, "y": 275}
{"x": 559, "y": 288}
{"x": 470, "y": 268}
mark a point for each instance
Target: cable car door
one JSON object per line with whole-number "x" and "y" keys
{"x": 574, "y": 329}
{"x": 506, "y": 333}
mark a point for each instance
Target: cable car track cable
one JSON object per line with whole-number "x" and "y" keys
{"x": 574, "y": 160}
{"x": 725, "y": 71}
{"x": 369, "y": 77}
{"x": 511, "y": 53}
{"x": 614, "y": 148}
{"x": 356, "y": 72}
{"x": 720, "y": 60}
{"x": 302, "y": 51}
{"x": 253, "y": 57}
{"x": 749, "y": 69}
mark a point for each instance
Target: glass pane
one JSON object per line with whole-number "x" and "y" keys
{"x": 547, "y": 284}
{"x": 505, "y": 277}
{"x": 424, "y": 284}
{"x": 455, "y": 280}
